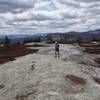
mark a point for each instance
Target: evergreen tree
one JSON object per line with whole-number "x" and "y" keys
{"x": 7, "y": 42}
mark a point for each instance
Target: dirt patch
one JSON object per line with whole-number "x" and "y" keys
{"x": 97, "y": 60}
{"x": 16, "y": 51}
{"x": 24, "y": 96}
{"x": 2, "y": 86}
{"x": 90, "y": 45}
{"x": 97, "y": 80}
{"x": 76, "y": 80}
{"x": 6, "y": 59}
{"x": 94, "y": 50}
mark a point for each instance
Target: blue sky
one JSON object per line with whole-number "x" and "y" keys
{"x": 41, "y": 16}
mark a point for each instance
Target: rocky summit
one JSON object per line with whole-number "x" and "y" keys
{"x": 41, "y": 76}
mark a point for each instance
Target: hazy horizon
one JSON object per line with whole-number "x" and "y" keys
{"x": 48, "y": 16}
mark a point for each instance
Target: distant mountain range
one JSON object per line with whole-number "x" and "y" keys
{"x": 85, "y": 36}
{"x": 19, "y": 37}
{"x": 89, "y": 35}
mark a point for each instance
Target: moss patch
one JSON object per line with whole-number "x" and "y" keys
{"x": 75, "y": 79}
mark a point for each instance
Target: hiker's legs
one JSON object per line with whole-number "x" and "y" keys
{"x": 58, "y": 54}
{"x": 55, "y": 53}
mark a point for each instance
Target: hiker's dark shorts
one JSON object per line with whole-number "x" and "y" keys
{"x": 57, "y": 49}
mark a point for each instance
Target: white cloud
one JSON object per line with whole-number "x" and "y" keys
{"x": 32, "y": 16}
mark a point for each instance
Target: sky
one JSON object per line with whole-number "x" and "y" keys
{"x": 48, "y": 16}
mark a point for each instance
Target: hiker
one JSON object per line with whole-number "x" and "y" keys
{"x": 57, "y": 49}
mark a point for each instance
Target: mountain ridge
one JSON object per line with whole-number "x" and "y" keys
{"x": 88, "y": 35}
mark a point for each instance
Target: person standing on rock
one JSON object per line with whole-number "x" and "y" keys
{"x": 57, "y": 49}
